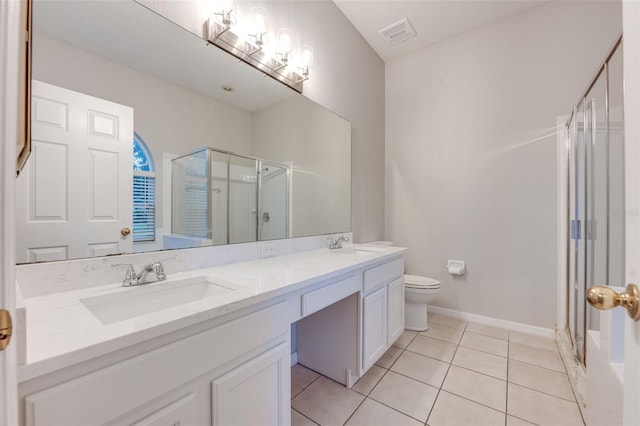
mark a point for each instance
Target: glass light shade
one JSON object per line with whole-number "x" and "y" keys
{"x": 284, "y": 40}
{"x": 259, "y": 19}
{"x": 306, "y": 55}
{"x": 225, "y": 5}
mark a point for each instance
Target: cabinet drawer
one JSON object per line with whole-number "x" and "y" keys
{"x": 375, "y": 277}
{"x": 325, "y": 296}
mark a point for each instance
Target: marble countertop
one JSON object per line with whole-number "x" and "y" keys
{"x": 62, "y": 331}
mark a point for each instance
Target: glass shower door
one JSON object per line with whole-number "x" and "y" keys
{"x": 243, "y": 199}
{"x": 596, "y": 194}
{"x": 578, "y": 230}
{"x": 274, "y": 184}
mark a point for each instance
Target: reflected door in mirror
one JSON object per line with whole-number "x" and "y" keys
{"x": 74, "y": 196}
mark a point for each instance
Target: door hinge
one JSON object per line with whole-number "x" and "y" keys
{"x": 5, "y": 329}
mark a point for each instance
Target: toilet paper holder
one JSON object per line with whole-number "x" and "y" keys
{"x": 456, "y": 267}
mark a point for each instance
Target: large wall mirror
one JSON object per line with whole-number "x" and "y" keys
{"x": 147, "y": 138}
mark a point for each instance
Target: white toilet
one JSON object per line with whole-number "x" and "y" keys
{"x": 418, "y": 291}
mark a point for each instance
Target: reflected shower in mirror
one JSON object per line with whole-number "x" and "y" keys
{"x": 108, "y": 75}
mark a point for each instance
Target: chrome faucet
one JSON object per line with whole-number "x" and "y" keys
{"x": 337, "y": 244}
{"x": 132, "y": 277}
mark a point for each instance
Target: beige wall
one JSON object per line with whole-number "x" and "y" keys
{"x": 347, "y": 78}
{"x": 471, "y": 154}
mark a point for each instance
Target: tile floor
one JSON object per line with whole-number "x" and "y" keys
{"x": 456, "y": 373}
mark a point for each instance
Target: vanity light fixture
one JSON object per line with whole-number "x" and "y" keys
{"x": 259, "y": 38}
{"x": 305, "y": 62}
{"x": 282, "y": 65}
{"x": 284, "y": 47}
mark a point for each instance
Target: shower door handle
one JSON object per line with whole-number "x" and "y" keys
{"x": 604, "y": 298}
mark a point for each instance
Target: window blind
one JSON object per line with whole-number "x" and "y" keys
{"x": 144, "y": 208}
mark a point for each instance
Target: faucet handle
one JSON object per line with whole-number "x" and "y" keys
{"x": 130, "y": 277}
{"x": 159, "y": 271}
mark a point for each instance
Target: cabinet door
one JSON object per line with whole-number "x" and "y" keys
{"x": 374, "y": 327}
{"x": 396, "y": 309}
{"x": 177, "y": 413}
{"x": 257, "y": 392}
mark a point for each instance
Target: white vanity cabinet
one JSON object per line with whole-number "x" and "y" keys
{"x": 382, "y": 309}
{"x": 232, "y": 368}
{"x": 257, "y": 392}
{"x": 235, "y": 373}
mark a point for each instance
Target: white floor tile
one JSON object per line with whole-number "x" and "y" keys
{"x": 405, "y": 338}
{"x": 482, "y": 362}
{"x": 298, "y": 419}
{"x": 389, "y": 357}
{"x": 372, "y": 413}
{"x": 422, "y": 368}
{"x": 452, "y": 410}
{"x": 433, "y": 348}
{"x": 542, "y": 409}
{"x": 441, "y": 332}
{"x": 477, "y": 387}
{"x": 535, "y": 356}
{"x": 371, "y": 378}
{"x": 514, "y": 421}
{"x": 532, "y": 340}
{"x": 447, "y": 321}
{"x": 406, "y": 395}
{"x": 327, "y": 402}
{"x": 540, "y": 379}
{"x": 485, "y": 343}
{"x": 301, "y": 377}
{"x": 498, "y": 333}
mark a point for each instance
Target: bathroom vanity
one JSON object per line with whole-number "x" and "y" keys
{"x": 209, "y": 346}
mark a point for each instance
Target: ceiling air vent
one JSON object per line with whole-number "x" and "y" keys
{"x": 400, "y": 31}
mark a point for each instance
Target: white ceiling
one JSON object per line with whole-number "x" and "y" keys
{"x": 132, "y": 35}
{"x": 434, "y": 20}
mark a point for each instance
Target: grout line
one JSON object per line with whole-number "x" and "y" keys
{"x": 311, "y": 420}
{"x": 310, "y": 383}
{"x": 394, "y": 409}
{"x": 435, "y": 401}
{"x": 474, "y": 401}
{"x": 506, "y": 402}
{"x": 539, "y": 366}
{"x": 480, "y": 372}
{"x": 542, "y": 392}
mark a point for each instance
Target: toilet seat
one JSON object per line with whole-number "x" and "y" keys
{"x": 417, "y": 282}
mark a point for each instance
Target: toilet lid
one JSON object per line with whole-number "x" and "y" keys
{"x": 416, "y": 281}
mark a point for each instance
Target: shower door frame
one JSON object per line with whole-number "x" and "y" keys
{"x": 566, "y": 152}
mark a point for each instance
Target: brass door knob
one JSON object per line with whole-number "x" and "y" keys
{"x": 125, "y": 231}
{"x": 5, "y": 329}
{"x": 603, "y": 298}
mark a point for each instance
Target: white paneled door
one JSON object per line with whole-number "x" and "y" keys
{"x": 631, "y": 46}
{"x": 614, "y": 352}
{"x": 74, "y": 196}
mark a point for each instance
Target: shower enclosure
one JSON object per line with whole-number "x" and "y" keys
{"x": 218, "y": 197}
{"x": 596, "y": 196}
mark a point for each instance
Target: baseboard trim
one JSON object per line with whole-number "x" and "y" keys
{"x": 494, "y": 322}
{"x": 294, "y": 358}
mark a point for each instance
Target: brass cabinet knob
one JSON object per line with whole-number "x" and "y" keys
{"x": 125, "y": 231}
{"x": 603, "y": 298}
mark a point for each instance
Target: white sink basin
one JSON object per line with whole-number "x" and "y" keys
{"x": 147, "y": 298}
{"x": 362, "y": 250}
